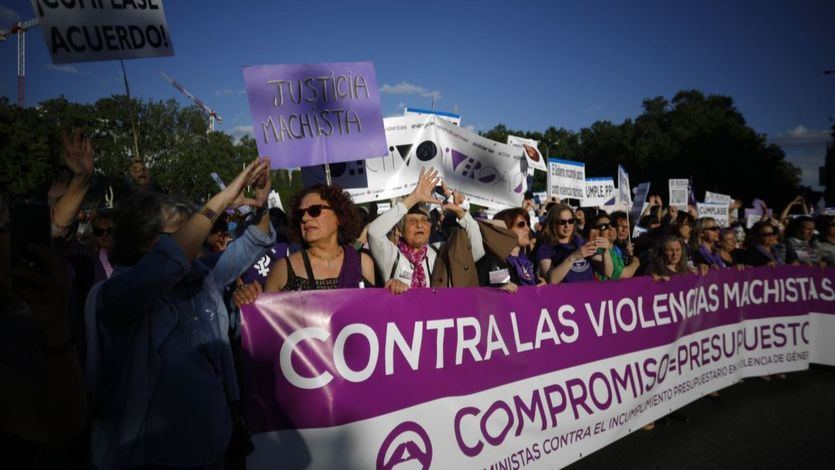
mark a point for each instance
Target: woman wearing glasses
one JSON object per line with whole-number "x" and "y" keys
{"x": 602, "y": 226}
{"x": 761, "y": 251}
{"x": 325, "y": 221}
{"x": 516, "y": 269}
{"x": 705, "y": 244}
{"x": 409, "y": 260}
{"x": 562, "y": 255}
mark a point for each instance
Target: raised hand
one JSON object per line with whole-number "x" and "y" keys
{"x": 78, "y": 153}
{"x": 233, "y": 194}
{"x": 263, "y": 186}
{"x": 427, "y": 181}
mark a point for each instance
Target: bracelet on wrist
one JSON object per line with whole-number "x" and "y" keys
{"x": 210, "y": 214}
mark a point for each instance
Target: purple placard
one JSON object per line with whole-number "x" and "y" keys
{"x": 726, "y": 297}
{"x": 311, "y": 114}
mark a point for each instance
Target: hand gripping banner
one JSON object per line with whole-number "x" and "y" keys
{"x": 477, "y": 378}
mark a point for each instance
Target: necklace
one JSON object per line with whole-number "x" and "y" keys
{"x": 328, "y": 259}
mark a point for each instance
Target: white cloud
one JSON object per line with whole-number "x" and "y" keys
{"x": 239, "y": 131}
{"x": 406, "y": 88}
{"x": 800, "y": 135}
{"x": 65, "y": 69}
{"x": 8, "y": 16}
{"x": 229, "y": 92}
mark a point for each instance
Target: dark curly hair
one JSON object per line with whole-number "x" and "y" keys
{"x": 342, "y": 205}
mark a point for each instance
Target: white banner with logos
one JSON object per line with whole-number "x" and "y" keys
{"x": 488, "y": 173}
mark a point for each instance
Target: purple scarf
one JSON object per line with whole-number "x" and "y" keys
{"x": 350, "y": 275}
{"x": 416, "y": 258}
{"x": 524, "y": 269}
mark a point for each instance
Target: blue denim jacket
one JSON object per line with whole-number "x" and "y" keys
{"x": 167, "y": 375}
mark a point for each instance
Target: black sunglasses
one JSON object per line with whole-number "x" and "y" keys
{"x": 565, "y": 222}
{"x": 315, "y": 211}
{"x": 522, "y": 224}
{"x": 101, "y": 231}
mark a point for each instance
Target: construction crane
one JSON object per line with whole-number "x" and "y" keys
{"x": 213, "y": 116}
{"x": 20, "y": 29}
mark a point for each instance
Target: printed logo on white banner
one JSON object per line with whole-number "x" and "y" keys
{"x": 407, "y": 444}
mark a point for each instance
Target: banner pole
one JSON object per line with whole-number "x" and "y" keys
{"x": 130, "y": 112}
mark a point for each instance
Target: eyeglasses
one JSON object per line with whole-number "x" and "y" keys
{"x": 522, "y": 224}
{"x": 565, "y": 222}
{"x": 101, "y": 231}
{"x": 602, "y": 227}
{"x": 314, "y": 211}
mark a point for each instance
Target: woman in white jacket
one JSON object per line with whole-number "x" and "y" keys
{"x": 409, "y": 261}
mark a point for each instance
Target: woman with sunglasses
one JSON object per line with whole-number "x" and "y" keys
{"x": 705, "y": 244}
{"x": 516, "y": 269}
{"x": 408, "y": 261}
{"x": 729, "y": 249}
{"x": 602, "y": 226}
{"x": 761, "y": 251}
{"x": 325, "y": 221}
{"x": 563, "y": 255}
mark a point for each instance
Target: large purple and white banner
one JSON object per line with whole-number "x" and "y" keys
{"x": 477, "y": 378}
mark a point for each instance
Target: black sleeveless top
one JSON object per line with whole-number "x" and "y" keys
{"x": 295, "y": 283}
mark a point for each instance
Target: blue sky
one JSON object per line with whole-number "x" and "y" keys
{"x": 527, "y": 64}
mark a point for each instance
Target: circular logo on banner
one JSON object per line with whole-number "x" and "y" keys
{"x": 406, "y": 446}
{"x": 427, "y": 150}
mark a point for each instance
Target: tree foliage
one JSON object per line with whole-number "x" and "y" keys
{"x": 692, "y": 136}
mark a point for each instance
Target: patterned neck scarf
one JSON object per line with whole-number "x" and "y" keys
{"x": 416, "y": 258}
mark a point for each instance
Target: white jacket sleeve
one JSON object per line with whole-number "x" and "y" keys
{"x": 382, "y": 249}
{"x": 474, "y": 233}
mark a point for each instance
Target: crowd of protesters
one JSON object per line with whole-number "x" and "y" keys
{"x": 126, "y": 331}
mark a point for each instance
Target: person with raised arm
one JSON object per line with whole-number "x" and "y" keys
{"x": 409, "y": 261}
{"x": 159, "y": 364}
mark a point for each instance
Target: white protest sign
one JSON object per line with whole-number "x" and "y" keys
{"x": 530, "y": 149}
{"x": 78, "y": 31}
{"x": 720, "y": 212}
{"x": 641, "y": 192}
{"x": 488, "y": 173}
{"x": 679, "y": 190}
{"x": 451, "y": 117}
{"x": 717, "y": 198}
{"x": 624, "y": 199}
{"x": 567, "y": 179}
{"x": 638, "y": 231}
{"x": 599, "y": 191}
